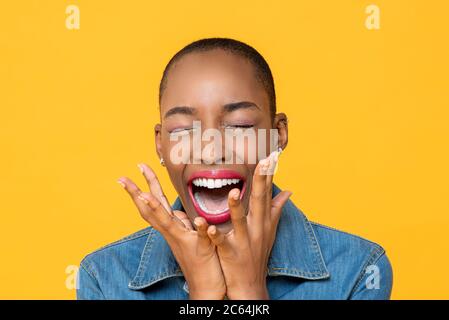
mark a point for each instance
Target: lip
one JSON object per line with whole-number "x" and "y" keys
{"x": 214, "y": 174}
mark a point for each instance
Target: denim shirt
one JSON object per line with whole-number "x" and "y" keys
{"x": 307, "y": 261}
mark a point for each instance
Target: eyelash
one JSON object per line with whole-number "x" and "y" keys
{"x": 238, "y": 126}
{"x": 180, "y": 130}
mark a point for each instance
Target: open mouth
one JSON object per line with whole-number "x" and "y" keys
{"x": 209, "y": 193}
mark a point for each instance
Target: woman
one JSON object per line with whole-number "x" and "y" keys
{"x": 232, "y": 233}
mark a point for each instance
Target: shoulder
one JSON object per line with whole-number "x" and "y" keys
{"x": 335, "y": 242}
{"x": 354, "y": 259}
{"x": 128, "y": 248}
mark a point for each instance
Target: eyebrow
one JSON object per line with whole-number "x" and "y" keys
{"x": 179, "y": 110}
{"x": 229, "y": 107}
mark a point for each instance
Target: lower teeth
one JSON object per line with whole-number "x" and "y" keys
{"x": 203, "y": 207}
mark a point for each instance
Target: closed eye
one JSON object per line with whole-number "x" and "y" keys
{"x": 240, "y": 126}
{"x": 181, "y": 131}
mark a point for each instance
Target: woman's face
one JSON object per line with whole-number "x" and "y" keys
{"x": 220, "y": 91}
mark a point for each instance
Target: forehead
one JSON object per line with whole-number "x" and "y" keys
{"x": 214, "y": 77}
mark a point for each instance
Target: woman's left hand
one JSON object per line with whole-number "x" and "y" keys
{"x": 244, "y": 251}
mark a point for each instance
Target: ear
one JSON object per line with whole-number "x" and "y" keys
{"x": 157, "y": 139}
{"x": 281, "y": 124}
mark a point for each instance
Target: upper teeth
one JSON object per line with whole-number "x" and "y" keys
{"x": 214, "y": 183}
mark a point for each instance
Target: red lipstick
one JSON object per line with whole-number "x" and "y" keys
{"x": 214, "y": 181}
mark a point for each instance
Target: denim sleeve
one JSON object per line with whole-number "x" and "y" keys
{"x": 375, "y": 282}
{"x": 88, "y": 288}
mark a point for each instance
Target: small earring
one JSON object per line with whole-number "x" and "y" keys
{"x": 162, "y": 162}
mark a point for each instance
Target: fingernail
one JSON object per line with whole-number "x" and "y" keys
{"x": 213, "y": 231}
{"x": 264, "y": 163}
{"x": 235, "y": 194}
{"x": 121, "y": 183}
{"x": 140, "y": 167}
{"x": 196, "y": 222}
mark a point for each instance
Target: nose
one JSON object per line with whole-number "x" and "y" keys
{"x": 212, "y": 146}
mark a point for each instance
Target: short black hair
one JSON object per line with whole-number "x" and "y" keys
{"x": 262, "y": 69}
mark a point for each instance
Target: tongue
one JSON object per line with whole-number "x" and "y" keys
{"x": 215, "y": 199}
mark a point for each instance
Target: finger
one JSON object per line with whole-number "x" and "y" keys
{"x": 258, "y": 198}
{"x": 134, "y": 192}
{"x": 155, "y": 186}
{"x": 182, "y": 216}
{"x": 273, "y": 161}
{"x": 130, "y": 187}
{"x": 181, "y": 219}
{"x": 204, "y": 242}
{"x": 238, "y": 216}
{"x": 217, "y": 237}
{"x": 278, "y": 203}
{"x": 272, "y": 166}
{"x": 150, "y": 208}
{"x": 164, "y": 219}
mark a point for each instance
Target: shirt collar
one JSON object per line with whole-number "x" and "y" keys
{"x": 295, "y": 252}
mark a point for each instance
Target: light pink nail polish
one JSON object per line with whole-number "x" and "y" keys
{"x": 140, "y": 167}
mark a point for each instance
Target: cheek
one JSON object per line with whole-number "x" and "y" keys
{"x": 174, "y": 164}
{"x": 267, "y": 139}
{"x": 175, "y": 174}
{"x": 249, "y": 149}
{"x": 251, "y": 169}
{"x": 177, "y": 152}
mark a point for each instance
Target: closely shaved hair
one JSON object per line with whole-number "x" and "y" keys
{"x": 262, "y": 69}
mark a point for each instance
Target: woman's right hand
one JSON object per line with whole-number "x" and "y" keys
{"x": 193, "y": 249}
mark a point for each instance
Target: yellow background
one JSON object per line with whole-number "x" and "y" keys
{"x": 368, "y": 150}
